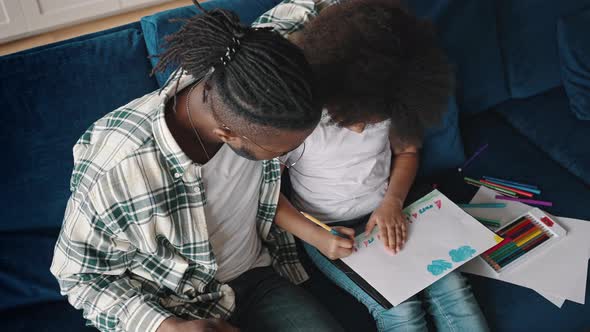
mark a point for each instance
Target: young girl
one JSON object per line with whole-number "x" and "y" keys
{"x": 383, "y": 81}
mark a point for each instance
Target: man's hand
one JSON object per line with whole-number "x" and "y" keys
{"x": 392, "y": 225}
{"x": 335, "y": 247}
{"x": 175, "y": 324}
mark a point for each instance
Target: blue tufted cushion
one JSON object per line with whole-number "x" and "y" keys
{"x": 48, "y": 98}
{"x": 468, "y": 33}
{"x": 24, "y": 268}
{"x": 511, "y": 155}
{"x": 443, "y": 147}
{"x": 156, "y": 27}
{"x": 547, "y": 122}
{"x": 574, "y": 53}
{"x": 48, "y": 317}
{"x": 526, "y": 29}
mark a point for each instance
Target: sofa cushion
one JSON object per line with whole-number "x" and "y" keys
{"x": 156, "y": 27}
{"x": 443, "y": 147}
{"x": 526, "y": 29}
{"x": 24, "y": 268}
{"x": 547, "y": 122}
{"x": 510, "y": 155}
{"x": 44, "y": 317}
{"x": 574, "y": 53}
{"x": 467, "y": 30}
{"x": 49, "y": 97}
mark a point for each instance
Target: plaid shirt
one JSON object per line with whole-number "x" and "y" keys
{"x": 134, "y": 249}
{"x": 291, "y": 15}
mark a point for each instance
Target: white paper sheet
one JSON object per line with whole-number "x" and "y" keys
{"x": 553, "y": 299}
{"x": 441, "y": 237}
{"x": 559, "y": 272}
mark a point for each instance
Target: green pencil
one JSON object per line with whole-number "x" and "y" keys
{"x": 490, "y": 222}
{"x": 498, "y": 189}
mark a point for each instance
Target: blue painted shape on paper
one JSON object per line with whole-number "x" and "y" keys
{"x": 462, "y": 253}
{"x": 438, "y": 266}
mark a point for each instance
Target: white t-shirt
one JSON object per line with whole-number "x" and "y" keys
{"x": 342, "y": 174}
{"x": 232, "y": 186}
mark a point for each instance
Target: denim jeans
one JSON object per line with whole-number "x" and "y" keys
{"x": 449, "y": 301}
{"x": 267, "y": 302}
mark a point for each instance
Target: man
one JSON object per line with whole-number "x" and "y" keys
{"x": 164, "y": 226}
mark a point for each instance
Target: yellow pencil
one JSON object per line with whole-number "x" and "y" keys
{"x": 324, "y": 226}
{"x": 529, "y": 237}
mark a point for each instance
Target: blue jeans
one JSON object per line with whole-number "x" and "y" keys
{"x": 266, "y": 302}
{"x": 449, "y": 301}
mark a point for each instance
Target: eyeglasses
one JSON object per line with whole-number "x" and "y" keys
{"x": 285, "y": 157}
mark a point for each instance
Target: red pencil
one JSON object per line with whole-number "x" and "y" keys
{"x": 497, "y": 246}
{"x": 520, "y": 192}
{"x": 511, "y": 226}
{"x": 512, "y": 230}
{"x": 527, "y": 233}
{"x": 517, "y": 233}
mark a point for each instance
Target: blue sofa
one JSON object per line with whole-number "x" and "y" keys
{"x": 522, "y": 69}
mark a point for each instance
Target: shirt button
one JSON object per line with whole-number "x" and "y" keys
{"x": 177, "y": 175}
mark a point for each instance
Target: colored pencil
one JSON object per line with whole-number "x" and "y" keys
{"x": 522, "y": 222}
{"x": 526, "y": 234}
{"x": 508, "y": 252}
{"x": 534, "y": 243}
{"x": 515, "y": 255}
{"x": 493, "y": 264}
{"x": 483, "y": 205}
{"x": 524, "y": 200}
{"x": 508, "y": 182}
{"x": 540, "y": 235}
{"x": 503, "y": 191}
{"x": 518, "y": 191}
{"x": 517, "y": 236}
{"x": 324, "y": 226}
{"x": 497, "y": 246}
{"x": 479, "y": 184}
{"x": 530, "y": 190}
{"x": 489, "y": 222}
{"x": 496, "y": 191}
{"x": 526, "y": 237}
{"x": 477, "y": 153}
{"x": 509, "y": 247}
{"x": 491, "y": 186}
{"x": 527, "y": 246}
{"x": 500, "y": 256}
{"x": 508, "y": 259}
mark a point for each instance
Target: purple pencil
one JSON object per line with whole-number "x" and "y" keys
{"x": 525, "y": 200}
{"x": 480, "y": 150}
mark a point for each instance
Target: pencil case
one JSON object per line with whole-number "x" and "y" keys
{"x": 522, "y": 239}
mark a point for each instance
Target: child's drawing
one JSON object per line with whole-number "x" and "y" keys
{"x": 462, "y": 253}
{"x": 438, "y": 266}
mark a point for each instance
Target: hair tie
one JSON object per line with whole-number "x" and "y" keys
{"x": 230, "y": 51}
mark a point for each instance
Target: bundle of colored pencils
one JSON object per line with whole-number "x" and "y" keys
{"x": 519, "y": 238}
{"x": 510, "y": 190}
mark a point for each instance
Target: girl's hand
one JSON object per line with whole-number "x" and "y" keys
{"x": 335, "y": 247}
{"x": 392, "y": 225}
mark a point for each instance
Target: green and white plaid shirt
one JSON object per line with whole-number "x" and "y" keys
{"x": 291, "y": 15}
{"x": 134, "y": 249}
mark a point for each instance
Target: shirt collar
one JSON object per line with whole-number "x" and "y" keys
{"x": 177, "y": 160}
